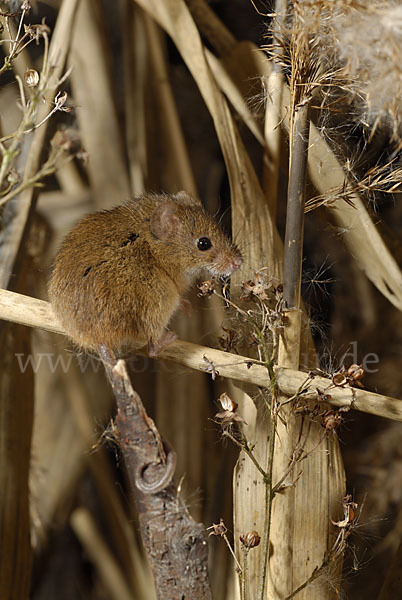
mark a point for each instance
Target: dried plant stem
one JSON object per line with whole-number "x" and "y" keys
{"x": 269, "y": 496}
{"x": 241, "y": 571}
{"x": 246, "y": 449}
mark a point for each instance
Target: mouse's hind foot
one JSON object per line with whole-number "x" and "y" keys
{"x": 156, "y": 347}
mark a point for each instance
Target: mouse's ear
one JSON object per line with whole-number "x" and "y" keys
{"x": 164, "y": 220}
{"x": 186, "y": 198}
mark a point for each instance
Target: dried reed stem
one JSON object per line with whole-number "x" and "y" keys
{"x": 32, "y": 312}
{"x": 295, "y": 208}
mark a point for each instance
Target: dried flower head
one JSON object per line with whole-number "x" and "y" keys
{"x": 207, "y": 287}
{"x": 339, "y": 378}
{"x": 219, "y": 529}
{"x": 352, "y": 376}
{"x": 227, "y": 403}
{"x": 349, "y": 511}
{"x": 256, "y": 287}
{"x": 60, "y": 101}
{"x": 355, "y": 374}
{"x": 37, "y": 31}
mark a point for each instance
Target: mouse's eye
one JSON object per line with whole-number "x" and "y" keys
{"x": 204, "y": 243}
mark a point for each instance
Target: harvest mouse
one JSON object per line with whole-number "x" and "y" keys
{"x": 120, "y": 274}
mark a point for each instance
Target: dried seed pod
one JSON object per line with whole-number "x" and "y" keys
{"x": 355, "y": 372}
{"x": 31, "y": 77}
{"x": 339, "y": 379}
{"x": 331, "y": 420}
{"x": 251, "y": 539}
{"x": 227, "y": 402}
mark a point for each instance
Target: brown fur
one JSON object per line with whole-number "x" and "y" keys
{"x": 120, "y": 274}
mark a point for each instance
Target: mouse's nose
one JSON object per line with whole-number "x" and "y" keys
{"x": 237, "y": 262}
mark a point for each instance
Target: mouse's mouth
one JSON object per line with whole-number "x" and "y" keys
{"x": 224, "y": 265}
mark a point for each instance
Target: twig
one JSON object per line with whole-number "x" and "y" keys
{"x": 175, "y": 543}
{"x": 268, "y": 508}
{"x": 244, "y": 446}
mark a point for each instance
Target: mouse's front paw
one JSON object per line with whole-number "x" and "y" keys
{"x": 186, "y": 307}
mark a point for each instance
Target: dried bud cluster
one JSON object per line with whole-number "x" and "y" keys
{"x": 331, "y": 420}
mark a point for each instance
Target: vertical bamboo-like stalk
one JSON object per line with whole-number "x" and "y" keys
{"x": 283, "y": 563}
{"x": 292, "y": 264}
{"x": 273, "y": 83}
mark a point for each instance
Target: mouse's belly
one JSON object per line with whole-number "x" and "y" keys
{"x": 116, "y": 317}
